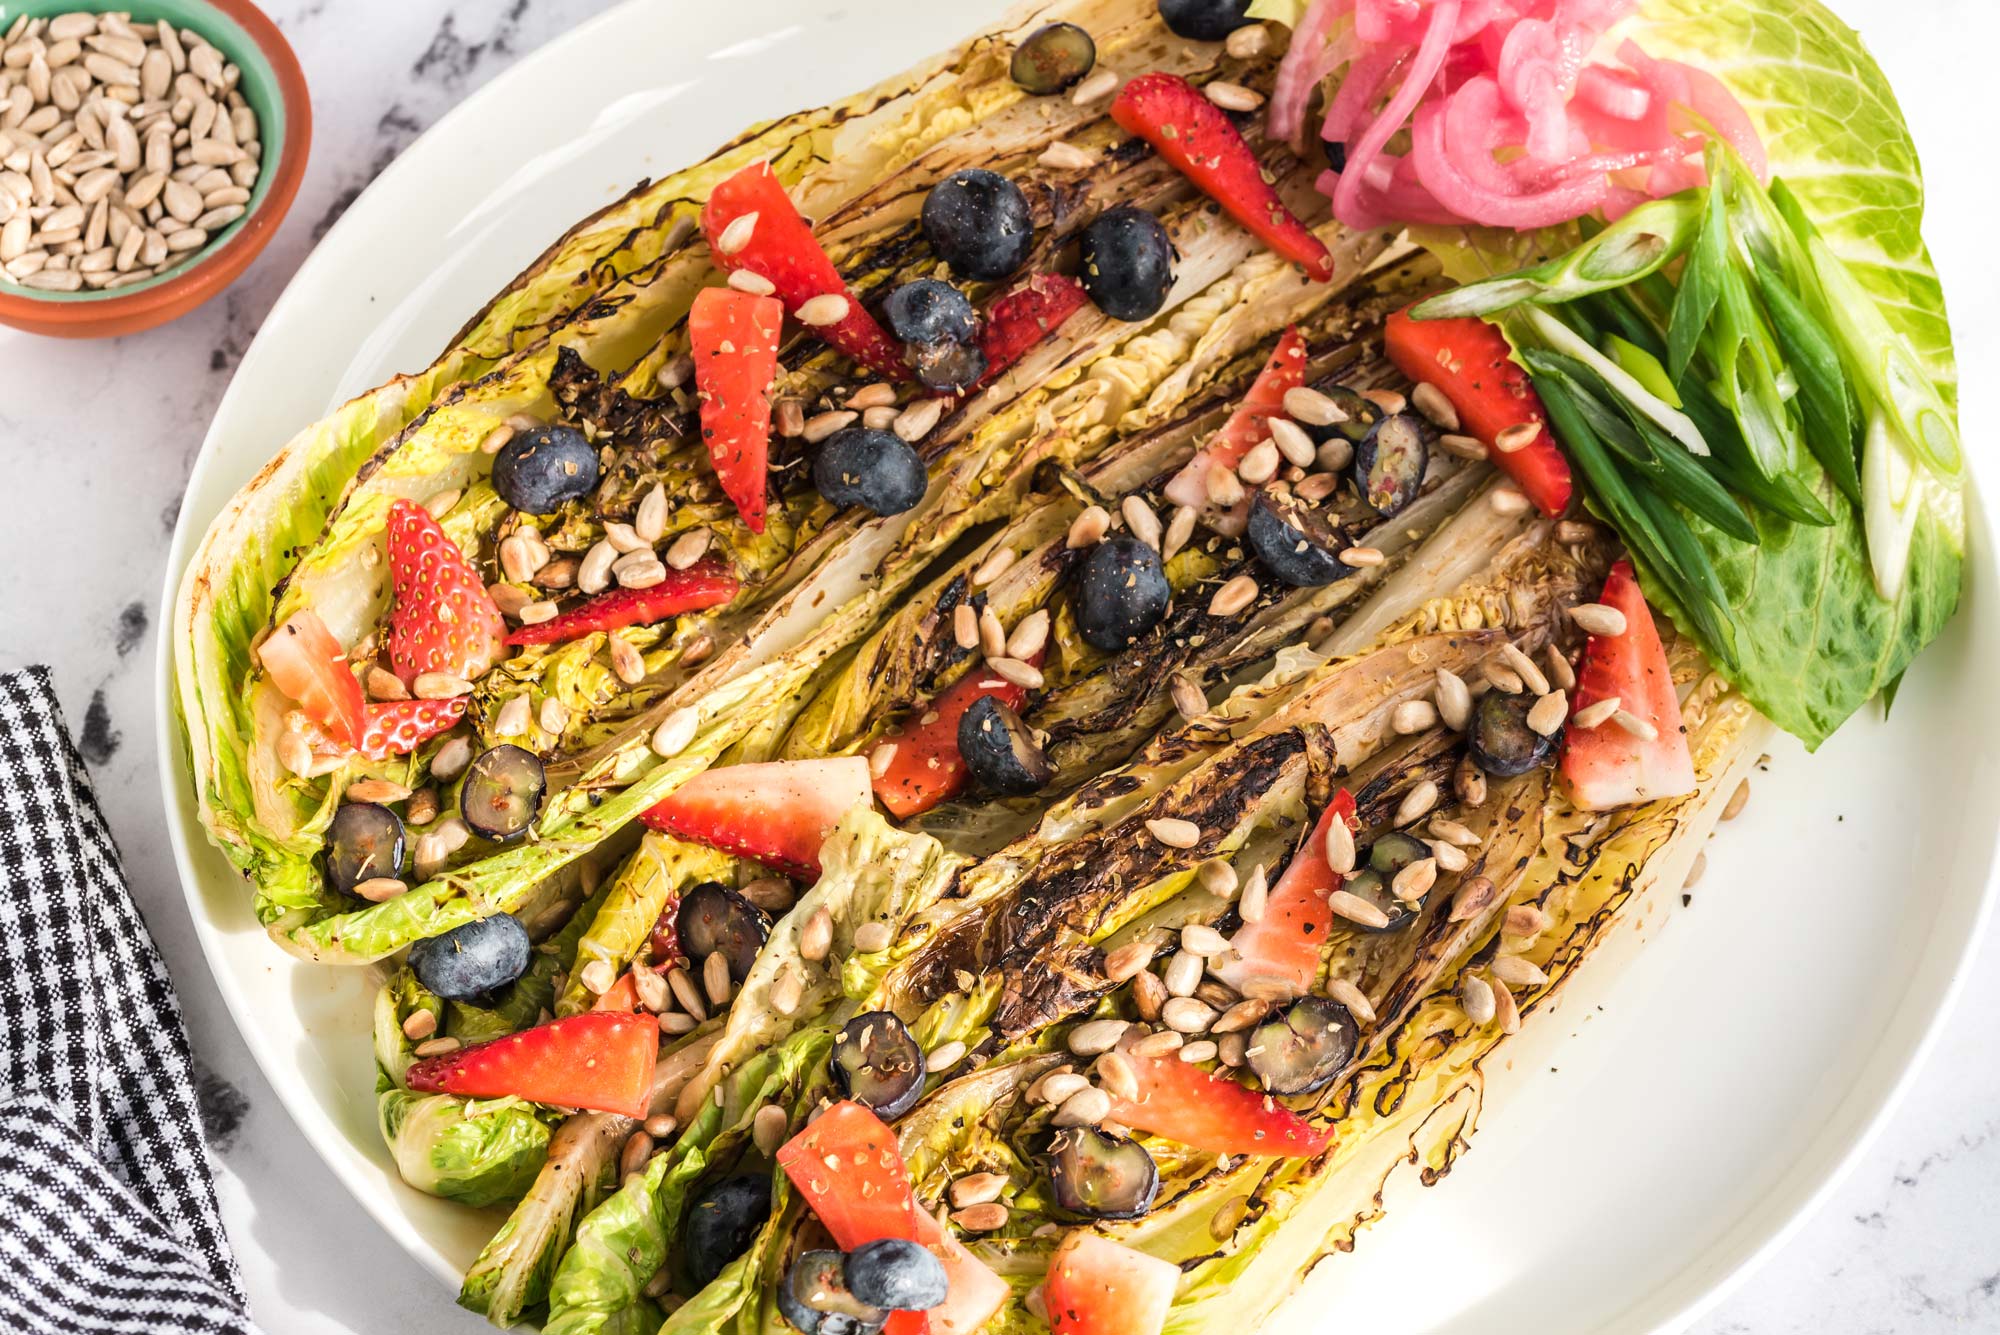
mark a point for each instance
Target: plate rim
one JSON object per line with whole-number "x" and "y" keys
{"x": 1940, "y": 974}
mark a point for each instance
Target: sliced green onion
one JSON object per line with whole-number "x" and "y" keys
{"x": 1560, "y": 338}
{"x": 1643, "y": 367}
{"x": 1638, "y": 244}
{"x": 1823, "y": 392}
{"x": 1694, "y": 300}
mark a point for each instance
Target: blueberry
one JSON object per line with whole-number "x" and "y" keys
{"x": 1000, "y": 750}
{"x": 1128, "y": 263}
{"x": 1053, "y": 58}
{"x": 722, "y": 1222}
{"x": 928, "y": 311}
{"x": 1501, "y": 742}
{"x": 712, "y": 918}
{"x": 871, "y": 469}
{"x": 1204, "y": 20}
{"x": 978, "y": 223}
{"x": 875, "y": 1061}
{"x": 502, "y": 792}
{"x": 1302, "y": 1050}
{"x": 1122, "y": 592}
{"x": 538, "y": 470}
{"x": 814, "y": 1297}
{"x": 947, "y": 366}
{"x": 896, "y": 1274}
{"x": 473, "y": 960}
{"x": 1295, "y": 541}
{"x": 1390, "y": 460}
{"x": 363, "y": 841}
{"x": 1336, "y": 153}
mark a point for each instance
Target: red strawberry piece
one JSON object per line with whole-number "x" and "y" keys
{"x": 1286, "y": 942}
{"x": 926, "y": 768}
{"x": 781, "y": 248}
{"x": 601, "y": 1060}
{"x": 1611, "y": 765}
{"x": 1207, "y": 1111}
{"x": 1284, "y": 372}
{"x": 778, "y": 812}
{"x": 708, "y": 584}
{"x": 1023, "y": 316}
{"x": 1195, "y": 135}
{"x": 443, "y": 620}
{"x": 1100, "y": 1287}
{"x": 734, "y": 336}
{"x": 401, "y": 726}
{"x": 307, "y": 663}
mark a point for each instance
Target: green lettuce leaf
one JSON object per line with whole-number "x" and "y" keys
{"x": 476, "y": 1151}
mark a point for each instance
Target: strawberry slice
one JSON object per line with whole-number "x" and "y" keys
{"x": 1609, "y": 765}
{"x": 734, "y": 337}
{"x": 1100, "y": 1287}
{"x": 1204, "y": 145}
{"x": 622, "y": 996}
{"x": 1285, "y": 943}
{"x": 1023, "y": 316}
{"x": 601, "y": 1060}
{"x": 1469, "y": 362}
{"x": 926, "y": 768}
{"x": 699, "y": 587}
{"x": 443, "y": 620}
{"x": 850, "y": 1170}
{"x": 1283, "y": 372}
{"x": 401, "y": 726}
{"x": 781, "y": 248}
{"x": 309, "y": 666}
{"x": 1212, "y": 1112}
{"x": 778, "y": 812}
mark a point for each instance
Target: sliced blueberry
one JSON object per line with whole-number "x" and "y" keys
{"x": 979, "y": 223}
{"x": 1371, "y": 885}
{"x": 712, "y": 918}
{"x": 1501, "y": 742}
{"x": 876, "y": 1062}
{"x": 1121, "y": 593}
{"x": 1336, "y": 153}
{"x": 1053, "y": 59}
{"x": 815, "y": 1298}
{"x": 1361, "y": 414}
{"x": 897, "y": 1275}
{"x": 1204, "y": 20}
{"x": 1389, "y": 462}
{"x": 1295, "y": 541}
{"x": 502, "y": 791}
{"x": 1305, "y": 1048}
{"x": 538, "y": 470}
{"x": 474, "y": 959}
{"x": 928, "y": 311}
{"x": 363, "y": 841}
{"x": 947, "y": 366}
{"x": 1000, "y": 750}
{"x": 1101, "y": 1175}
{"x": 1128, "y": 263}
{"x": 872, "y": 469}
{"x": 722, "y": 1223}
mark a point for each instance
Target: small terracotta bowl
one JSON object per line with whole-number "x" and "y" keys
{"x": 275, "y": 88}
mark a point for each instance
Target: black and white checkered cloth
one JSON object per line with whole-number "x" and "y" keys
{"x": 108, "y": 1218}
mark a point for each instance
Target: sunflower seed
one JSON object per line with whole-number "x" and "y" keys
{"x": 1139, "y": 517}
{"x": 686, "y": 993}
{"x": 1388, "y": 400}
{"x": 1412, "y": 717}
{"x": 1252, "y": 902}
{"x": 1696, "y": 870}
{"x": 439, "y": 686}
{"x": 1308, "y": 405}
{"x": 1454, "y": 700}
{"x": 1202, "y": 940}
{"x": 1174, "y": 832}
{"x": 1232, "y": 96}
{"x": 828, "y": 308}
{"x": 1507, "y": 500}
{"x": 1187, "y": 1015}
{"x": 1116, "y": 1074}
{"x": 821, "y": 425}
{"x": 944, "y": 1056}
{"x": 1100, "y": 84}
{"x": 376, "y": 790}
{"x": 1088, "y": 529}
{"x": 1260, "y": 464}
{"x": 684, "y": 551}
{"x": 1506, "y": 1010}
{"x": 1162, "y": 1044}
{"x": 1453, "y": 833}
{"x": 1546, "y": 715}
{"x": 1352, "y": 997}
{"x": 1201, "y": 1050}
{"x": 652, "y": 990}
{"x": 1031, "y": 636}
{"x": 1429, "y": 400}
{"x": 1058, "y": 1087}
{"x": 1596, "y": 712}
{"x": 965, "y": 626}
{"x": 873, "y": 937}
{"x": 1476, "y": 894}
{"x": 1291, "y": 440}
{"x": 1356, "y": 909}
{"x": 1417, "y": 803}
{"x": 1501, "y": 677}
{"x": 1183, "y": 974}
{"x": 1475, "y": 994}
{"x": 1187, "y": 697}
{"x": 675, "y": 732}
{"x": 1065, "y": 157}
{"x": 1738, "y": 799}
{"x": 1339, "y": 846}
{"x": 1024, "y": 675}
{"x": 1561, "y": 673}
{"x": 977, "y": 1189}
{"x": 597, "y": 977}
{"x": 917, "y": 421}
{"x": 816, "y": 937}
{"x": 437, "y": 1047}
{"x": 675, "y": 1023}
{"x": 1148, "y": 995}
{"x": 748, "y": 280}
{"x": 1415, "y": 880}
{"x": 1179, "y": 529}
{"x": 1225, "y": 489}
{"x": 1241, "y": 1015}
{"x": 1217, "y": 877}
{"x": 1598, "y": 619}
{"x": 1513, "y": 439}
{"x": 1449, "y": 857}
{"x": 1360, "y": 557}
{"x": 1127, "y": 960}
{"x": 627, "y": 663}
{"x": 1468, "y": 783}
{"x": 1575, "y": 532}
{"x": 1638, "y": 727}
{"x": 737, "y": 234}
{"x": 1525, "y": 920}
{"x": 1096, "y": 1036}
{"x": 419, "y": 1025}
{"x": 982, "y": 1218}
{"x": 787, "y": 992}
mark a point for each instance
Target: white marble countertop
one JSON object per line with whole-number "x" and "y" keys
{"x": 106, "y": 433}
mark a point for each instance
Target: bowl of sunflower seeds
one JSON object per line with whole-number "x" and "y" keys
{"x": 147, "y": 155}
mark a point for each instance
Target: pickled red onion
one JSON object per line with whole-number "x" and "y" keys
{"x": 1512, "y": 123}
